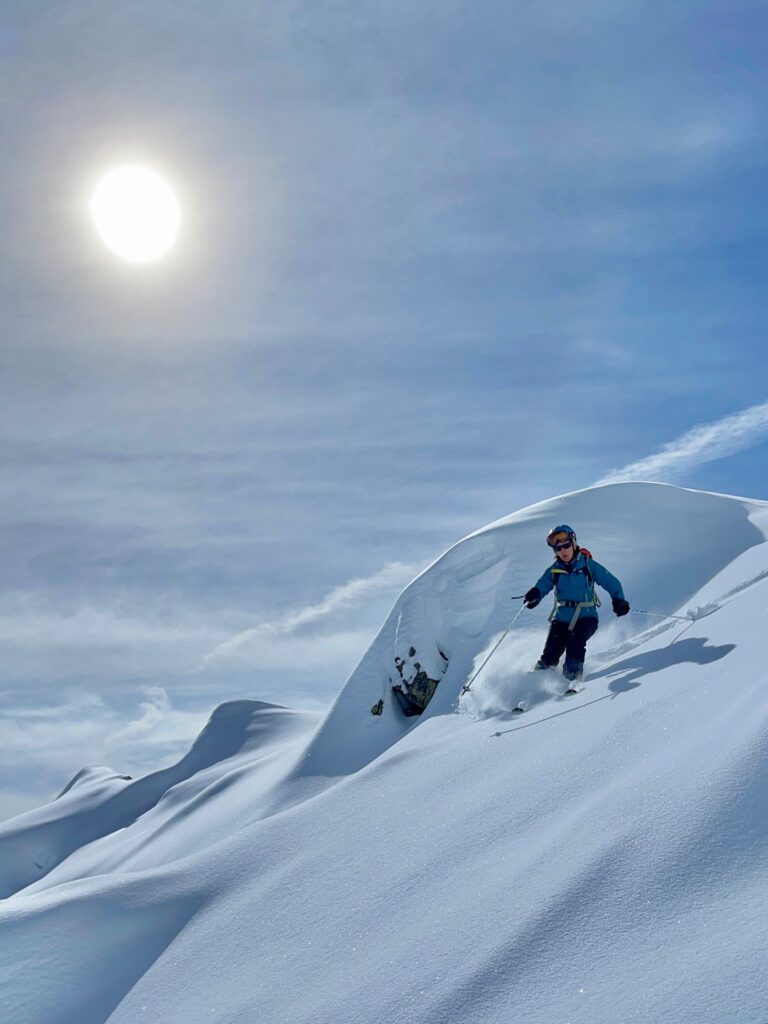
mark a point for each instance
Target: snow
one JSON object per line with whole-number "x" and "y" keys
{"x": 599, "y": 859}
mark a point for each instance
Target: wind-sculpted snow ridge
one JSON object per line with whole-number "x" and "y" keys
{"x": 99, "y": 803}
{"x": 663, "y": 542}
{"x": 598, "y": 860}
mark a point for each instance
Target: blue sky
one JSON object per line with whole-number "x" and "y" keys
{"x": 438, "y": 261}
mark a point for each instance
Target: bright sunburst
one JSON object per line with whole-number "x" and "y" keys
{"x": 135, "y": 213}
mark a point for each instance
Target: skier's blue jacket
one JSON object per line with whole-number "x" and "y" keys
{"x": 575, "y": 582}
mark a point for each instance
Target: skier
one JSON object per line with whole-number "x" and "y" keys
{"x": 574, "y": 616}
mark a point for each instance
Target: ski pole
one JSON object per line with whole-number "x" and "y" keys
{"x": 465, "y": 689}
{"x": 658, "y": 615}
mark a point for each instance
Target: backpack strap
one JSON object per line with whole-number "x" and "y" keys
{"x": 576, "y": 605}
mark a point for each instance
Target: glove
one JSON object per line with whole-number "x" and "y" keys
{"x": 620, "y": 606}
{"x": 533, "y": 597}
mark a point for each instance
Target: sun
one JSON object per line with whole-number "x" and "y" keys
{"x": 135, "y": 213}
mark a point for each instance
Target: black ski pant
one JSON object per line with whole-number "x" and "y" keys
{"x": 573, "y": 642}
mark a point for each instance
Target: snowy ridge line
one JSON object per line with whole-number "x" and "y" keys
{"x": 98, "y": 802}
{"x": 460, "y": 603}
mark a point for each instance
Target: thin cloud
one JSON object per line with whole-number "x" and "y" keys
{"x": 154, "y": 709}
{"x": 704, "y": 443}
{"x": 392, "y": 576}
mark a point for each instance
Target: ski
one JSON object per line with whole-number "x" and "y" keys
{"x": 572, "y": 691}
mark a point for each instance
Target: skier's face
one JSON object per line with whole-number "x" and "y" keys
{"x": 566, "y": 554}
{"x": 563, "y": 548}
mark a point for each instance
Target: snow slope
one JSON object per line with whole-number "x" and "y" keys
{"x": 599, "y": 859}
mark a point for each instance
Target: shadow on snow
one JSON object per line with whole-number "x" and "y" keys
{"x": 691, "y": 651}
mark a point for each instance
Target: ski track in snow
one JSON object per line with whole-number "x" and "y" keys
{"x": 599, "y": 859}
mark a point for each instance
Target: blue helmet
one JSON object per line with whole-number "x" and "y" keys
{"x": 563, "y": 528}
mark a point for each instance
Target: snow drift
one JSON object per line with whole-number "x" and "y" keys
{"x": 602, "y": 859}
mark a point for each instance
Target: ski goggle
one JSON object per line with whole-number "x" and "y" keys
{"x": 560, "y": 541}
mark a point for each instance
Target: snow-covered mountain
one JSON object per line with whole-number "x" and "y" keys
{"x": 599, "y": 859}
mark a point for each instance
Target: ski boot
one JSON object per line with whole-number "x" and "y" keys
{"x": 574, "y": 674}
